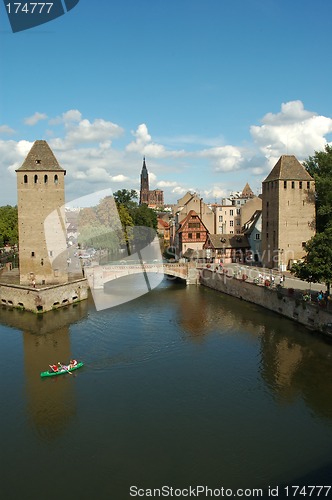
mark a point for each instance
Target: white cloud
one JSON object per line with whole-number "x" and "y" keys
{"x": 214, "y": 193}
{"x": 146, "y": 147}
{"x": 73, "y": 115}
{"x": 294, "y": 130}
{"x": 35, "y": 118}
{"x": 224, "y": 158}
{"x": 119, "y": 178}
{"x": 100, "y": 130}
{"x": 4, "y": 129}
{"x": 163, "y": 184}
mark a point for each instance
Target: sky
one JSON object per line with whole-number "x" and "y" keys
{"x": 210, "y": 92}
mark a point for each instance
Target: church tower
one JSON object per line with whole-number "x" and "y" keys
{"x": 288, "y": 213}
{"x": 41, "y": 218}
{"x": 144, "y": 191}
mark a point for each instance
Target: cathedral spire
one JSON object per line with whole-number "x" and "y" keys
{"x": 144, "y": 191}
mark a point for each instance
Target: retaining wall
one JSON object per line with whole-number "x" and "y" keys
{"x": 306, "y": 313}
{"x": 44, "y": 299}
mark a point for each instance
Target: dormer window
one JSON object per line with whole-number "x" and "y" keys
{"x": 38, "y": 162}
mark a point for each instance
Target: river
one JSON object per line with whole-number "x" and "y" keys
{"x": 181, "y": 387}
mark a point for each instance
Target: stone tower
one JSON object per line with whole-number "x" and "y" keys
{"x": 144, "y": 191}
{"x": 288, "y": 213}
{"x": 41, "y": 221}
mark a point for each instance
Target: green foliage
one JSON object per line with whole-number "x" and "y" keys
{"x": 8, "y": 225}
{"x": 144, "y": 216}
{"x": 317, "y": 264}
{"x": 126, "y": 198}
{"x": 319, "y": 167}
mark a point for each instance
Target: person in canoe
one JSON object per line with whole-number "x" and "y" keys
{"x": 54, "y": 368}
{"x": 72, "y": 363}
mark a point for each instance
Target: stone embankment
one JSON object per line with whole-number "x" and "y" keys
{"x": 285, "y": 301}
{"x": 40, "y": 300}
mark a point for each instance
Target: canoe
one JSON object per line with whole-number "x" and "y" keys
{"x": 51, "y": 373}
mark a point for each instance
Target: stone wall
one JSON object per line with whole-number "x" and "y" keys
{"x": 45, "y": 299}
{"x": 308, "y": 314}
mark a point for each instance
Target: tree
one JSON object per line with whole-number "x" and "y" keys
{"x": 319, "y": 167}
{"x": 8, "y": 225}
{"x": 145, "y": 216}
{"x": 317, "y": 264}
{"x": 126, "y": 197}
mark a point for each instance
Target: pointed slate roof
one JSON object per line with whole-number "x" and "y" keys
{"x": 247, "y": 192}
{"x": 40, "y": 158}
{"x": 288, "y": 168}
{"x": 144, "y": 172}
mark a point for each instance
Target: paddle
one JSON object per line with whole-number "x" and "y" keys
{"x": 64, "y": 368}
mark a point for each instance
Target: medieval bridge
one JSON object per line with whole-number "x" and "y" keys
{"x": 99, "y": 275}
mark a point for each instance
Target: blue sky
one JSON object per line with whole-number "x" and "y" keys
{"x": 212, "y": 92}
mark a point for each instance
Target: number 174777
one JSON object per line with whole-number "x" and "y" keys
{"x": 29, "y": 8}
{"x": 310, "y": 491}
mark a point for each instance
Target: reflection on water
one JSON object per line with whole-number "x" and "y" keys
{"x": 180, "y": 386}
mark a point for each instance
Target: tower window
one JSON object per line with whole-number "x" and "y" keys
{"x": 32, "y": 254}
{"x": 300, "y": 184}
{"x": 45, "y": 179}
{"x": 285, "y": 184}
{"x": 38, "y": 162}
{"x": 308, "y": 185}
{"x": 293, "y": 184}
{"x": 56, "y": 179}
{"x": 35, "y": 179}
{"x": 25, "y": 179}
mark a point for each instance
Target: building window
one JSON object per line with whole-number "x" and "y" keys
{"x": 35, "y": 179}
{"x": 45, "y": 179}
{"x": 267, "y": 236}
{"x": 56, "y": 180}
{"x": 267, "y": 204}
{"x": 190, "y": 236}
{"x": 238, "y": 222}
{"x": 198, "y": 235}
{"x": 231, "y": 223}
{"x": 220, "y": 218}
{"x": 238, "y": 211}
{"x": 285, "y": 184}
{"x": 25, "y": 179}
{"x": 308, "y": 185}
{"x": 267, "y": 224}
{"x": 293, "y": 184}
{"x": 51, "y": 253}
{"x": 231, "y": 212}
{"x": 303, "y": 244}
{"x": 32, "y": 254}
{"x": 258, "y": 236}
{"x": 38, "y": 162}
{"x": 231, "y": 232}
{"x": 300, "y": 184}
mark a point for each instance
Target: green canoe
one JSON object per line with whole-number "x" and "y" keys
{"x": 51, "y": 373}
